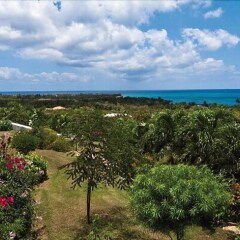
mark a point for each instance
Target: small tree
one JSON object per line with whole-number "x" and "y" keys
{"x": 107, "y": 157}
{"x": 170, "y": 197}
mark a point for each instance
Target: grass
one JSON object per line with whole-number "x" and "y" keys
{"x": 63, "y": 210}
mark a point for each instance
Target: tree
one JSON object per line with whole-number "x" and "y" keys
{"x": 201, "y": 136}
{"x": 107, "y": 155}
{"x": 169, "y": 197}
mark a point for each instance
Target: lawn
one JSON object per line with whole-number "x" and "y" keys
{"x": 61, "y": 210}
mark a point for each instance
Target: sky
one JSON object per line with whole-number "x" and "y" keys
{"x": 119, "y": 45}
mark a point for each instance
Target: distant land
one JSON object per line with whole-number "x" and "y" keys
{"x": 211, "y": 96}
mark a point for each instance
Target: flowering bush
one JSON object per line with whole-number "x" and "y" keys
{"x": 18, "y": 176}
{"x": 36, "y": 165}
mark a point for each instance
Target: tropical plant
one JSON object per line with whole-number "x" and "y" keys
{"x": 201, "y": 136}
{"x": 170, "y": 197}
{"x": 106, "y": 157}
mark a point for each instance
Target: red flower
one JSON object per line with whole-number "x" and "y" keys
{"x": 9, "y": 159}
{"x": 17, "y": 160}
{"x": 20, "y": 166}
{"x": 10, "y": 199}
{"x": 5, "y": 201}
{"x": 9, "y": 166}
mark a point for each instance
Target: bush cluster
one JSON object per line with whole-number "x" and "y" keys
{"x": 61, "y": 144}
{"x": 18, "y": 176}
{"x": 46, "y": 138}
{"x": 25, "y": 142}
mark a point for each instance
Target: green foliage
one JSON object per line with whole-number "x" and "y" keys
{"x": 37, "y": 120}
{"x": 107, "y": 154}
{"x": 25, "y": 142}
{"x": 95, "y": 230}
{"x": 5, "y": 125}
{"x": 18, "y": 113}
{"x": 47, "y": 136}
{"x": 169, "y": 197}
{"x": 201, "y": 136}
{"x": 61, "y": 144}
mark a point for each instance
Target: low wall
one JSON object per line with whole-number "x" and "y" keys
{"x": 19, "y": 127}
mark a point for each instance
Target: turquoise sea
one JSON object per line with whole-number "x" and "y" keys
{"x": 222, "y": 96}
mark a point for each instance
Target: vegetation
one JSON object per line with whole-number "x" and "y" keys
{"x": 106, "y": 157}
{"x": 63, "y": 211}
{"x": 109, "y": 150}
{"x": 201, "y": 136}
{"x": 170, "y": 197}
{"x": 5, "y": 125}
{"x": 47, "y": 136}
{"x": 18, "y": 176}
{"x": 25, "y": 142}
{"x": 61, "y": 144}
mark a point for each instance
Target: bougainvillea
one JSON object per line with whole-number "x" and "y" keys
{"x": 5, "y": 201}
{"x": 18, "y": 176}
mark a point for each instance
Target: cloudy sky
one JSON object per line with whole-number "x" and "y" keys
{"x": 117, "y": 45}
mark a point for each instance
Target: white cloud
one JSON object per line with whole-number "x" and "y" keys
{"x": 15, "y": 74}
{"x": 214, "y": 14}
{"x": 211, "y": 40}
{"x": 104, "y": 35}
{"x": 9, "y": 73}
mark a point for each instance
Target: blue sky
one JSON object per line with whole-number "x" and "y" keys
{"x": 119, "y": 45}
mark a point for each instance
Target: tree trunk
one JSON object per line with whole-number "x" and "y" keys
{"x": 89, "y": 191}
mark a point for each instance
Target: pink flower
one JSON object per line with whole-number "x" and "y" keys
{"x": 9, "y": 159}
{"x": 20, "y": 166}
{"x": 17, "y": 160}
{"x": 10, "y": 199}
{"x": 9, "y": 166}
{"x": 3, "y": 202}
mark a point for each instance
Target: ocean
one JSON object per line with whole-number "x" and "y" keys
{"x": 218, "y": 96}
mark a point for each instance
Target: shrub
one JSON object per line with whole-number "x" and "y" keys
{"x": 47, "y": 136}
{"x": 170, "y": 197}
{"x": 38, "y": 166}
{"x": 17, "y": 177}
{"x": 25, "y": 142}
{"x": 5, "y": 125}
{"x": 61, "y": 144}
